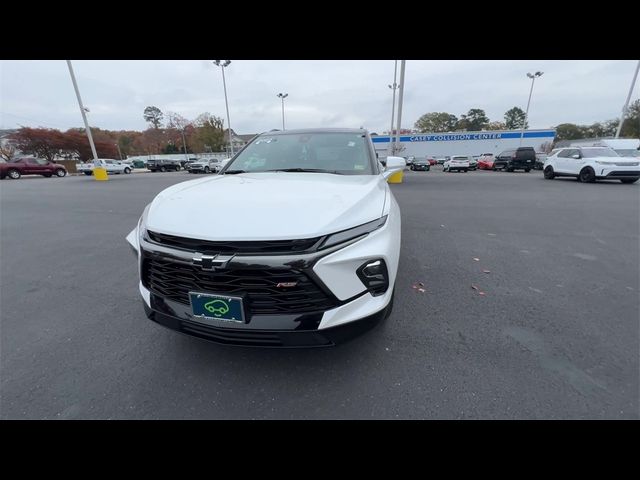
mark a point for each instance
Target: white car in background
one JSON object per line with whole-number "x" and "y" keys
{"x": 295, "y": 243}
{"x": 458, "y": 163}
{"x": 205, "y": 165}
{"x": 109, "y": 164}
{"x": 588, "y": 164}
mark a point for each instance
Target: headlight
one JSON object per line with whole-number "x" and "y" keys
{"x": 142, "y": 224}
{"x": 352, "y": 233}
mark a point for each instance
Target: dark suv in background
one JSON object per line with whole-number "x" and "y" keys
{"x": 163, "y": 165}
{"x": 522, "y": 158}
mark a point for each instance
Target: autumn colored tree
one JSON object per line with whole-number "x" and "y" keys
{"x": 208, "y": 133}
{"x": 40, "y": 142}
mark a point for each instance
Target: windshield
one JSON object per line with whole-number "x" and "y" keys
{"x": 343, "y": 153}
{"x": 598, "y": 152}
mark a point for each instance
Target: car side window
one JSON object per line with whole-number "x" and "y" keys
{"x": 569, "y": 152}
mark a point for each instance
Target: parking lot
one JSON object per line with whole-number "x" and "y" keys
{"x": 555, "y": 333}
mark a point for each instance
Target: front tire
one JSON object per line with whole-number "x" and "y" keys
{"x": 178, "y": 168}
{"x": 527, "y": 170}
{"x": 587, "y": 175}
{"x": 61, "y": 173}
{"x": 14, "y": 174}
{"x": 207, "y": 170}
{"x": 628, "y": 180}
{"x": 549, "y": 174}
{"x": 127, "y": 171}
{"x": 163, "y": 169}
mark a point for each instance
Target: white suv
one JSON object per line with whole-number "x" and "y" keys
{"x": 588, "y": 164}
{"x": 457, "y": 162}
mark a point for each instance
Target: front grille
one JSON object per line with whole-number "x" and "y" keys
{"x": 244, "y": 247}
{"x": 174, "y": 281}
{"x": 233, "y": 337}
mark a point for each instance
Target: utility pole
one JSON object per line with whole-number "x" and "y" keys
{"x": 99, "y": 172}
{"x": 400, "y": 95}
{"x": 393, "y": 106}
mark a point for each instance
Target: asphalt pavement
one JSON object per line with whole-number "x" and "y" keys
{"x": 554, "y": 334}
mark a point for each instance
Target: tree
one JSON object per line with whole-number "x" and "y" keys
{"x": 569, "y": 131}
{"x": 474, "y": 120}
{"x": 495, "y": 126}
{"x": 436, "y": 122}
{"x": 76, "y": 144}
{"x": 598, "y": 130}
{"x": 40, "y": 142}
{"x": 154, "y": 116}
{"x": 209, "y": 130}
{"x": 631, "y": 124}
{"x": 515, "y": 118}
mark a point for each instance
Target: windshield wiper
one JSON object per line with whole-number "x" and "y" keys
{"x": 232, "y": 172}
{"x": 310, "y": 170}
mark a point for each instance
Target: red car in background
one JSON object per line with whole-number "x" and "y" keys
{"x": 485, "y": 162}
{"x": 31, "y": 166}
{"x": 432, "y": 161}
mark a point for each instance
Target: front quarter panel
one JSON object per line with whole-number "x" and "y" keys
{"x": 338, "y": 270}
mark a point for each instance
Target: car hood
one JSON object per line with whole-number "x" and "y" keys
{"x": 622, "y": 161}
{"x": 267, "y": 206}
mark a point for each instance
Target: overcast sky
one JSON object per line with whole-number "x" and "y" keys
{"x": 336, "y": 93}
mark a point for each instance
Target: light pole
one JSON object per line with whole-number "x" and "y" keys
{"x": 119, "y": 152}
{"x": 282, "y": 96}
{"x": 526, "y": 114}
{"x": 99, "y": 172}
{"x": 393, "y": 105}
{"x": 184, "y": 144}
{"x": 224, "y": 64}
{"x": 400, "y": 96}
{"x": 626, "y": 104}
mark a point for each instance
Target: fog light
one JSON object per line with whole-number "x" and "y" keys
{"x": 373, "y": 274}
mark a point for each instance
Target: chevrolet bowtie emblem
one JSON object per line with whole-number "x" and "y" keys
{"x": 211, "y": 262}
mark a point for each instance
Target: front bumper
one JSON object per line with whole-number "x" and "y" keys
{"x": 353, "y": 308}
{"x": 616, "y": 172}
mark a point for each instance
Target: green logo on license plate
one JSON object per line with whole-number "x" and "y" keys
{"x": 217, "y": 307}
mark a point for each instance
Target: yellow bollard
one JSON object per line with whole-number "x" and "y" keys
{"x": 100, "y": 174}
{"x": 396, "y": 177}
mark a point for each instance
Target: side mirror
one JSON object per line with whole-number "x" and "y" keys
{"x": 576, "y": 156}
{"x": 393, "y": 164}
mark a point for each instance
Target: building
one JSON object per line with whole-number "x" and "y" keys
{"x": 465, "y": 143}
{"x": 238, "y": 141}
